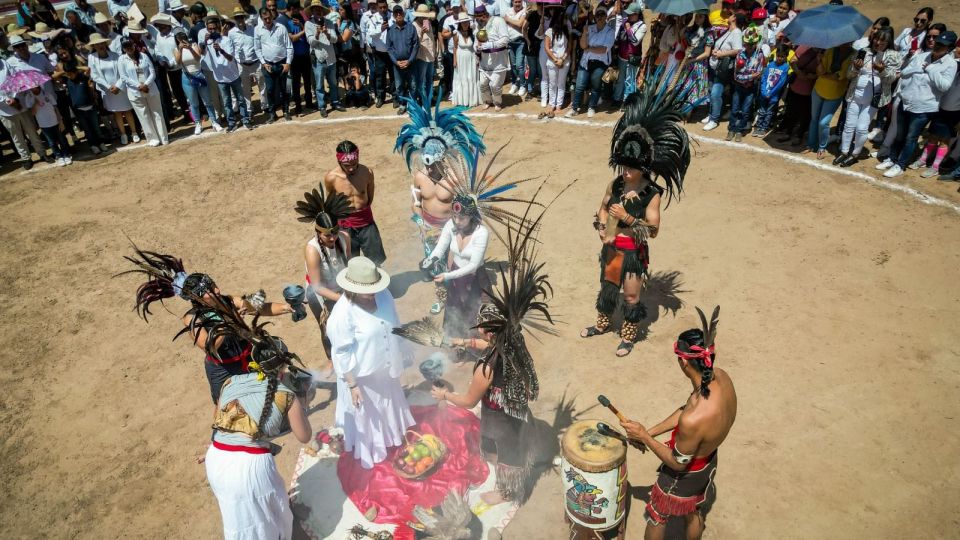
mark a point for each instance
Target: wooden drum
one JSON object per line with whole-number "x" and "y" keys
{"x": 596, "y": 491}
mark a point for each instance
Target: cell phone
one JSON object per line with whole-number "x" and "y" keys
{"x": 861, "y": 54}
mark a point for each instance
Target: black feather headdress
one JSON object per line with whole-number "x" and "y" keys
{"x": 649, "y": 136}
{"x": 166, "y": 278}
{"x": 323, "y": 211}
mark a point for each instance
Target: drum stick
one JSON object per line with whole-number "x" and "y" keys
{"x": 606, "y": 430}
{"x": 606, "y": 403}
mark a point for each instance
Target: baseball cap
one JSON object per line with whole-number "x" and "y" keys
{"x": 759, "y": 13}
{"x": 947, "y": 38}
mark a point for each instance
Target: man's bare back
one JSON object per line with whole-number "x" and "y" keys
{"x": 435, "y": 198}
{"x": 358, "y": 186}
{"x": 710, "y": 419}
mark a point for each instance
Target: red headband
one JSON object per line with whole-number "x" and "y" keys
{"x": 343, "y": 157}
{"x": 696, "y": 352}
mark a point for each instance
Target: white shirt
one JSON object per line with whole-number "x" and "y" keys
{"x": 46, "y": 114}
{"x": 600, "y": 38}
{"x": 904, "y": 42}
{"x": 118, "y": 6}
{"x": 377, "y": 38}
{"x": 243, "y": 44}
{"x": 513, "y": 16}
{"x": 363, "y": 343}
{"x": 467, "y": 260}
{"x": 105, "y": 72}
{"x": 273, "y": 45}
{"x": 922, "y": 84}
{"x": 7, "y": 110}
{"x": 322, "y": 48}
{"x": 224, "y": 69}
{"x": 450, "y": 24}
{"x": 497, "y": 38}
{"x": 164, "y": 47}
{"x": 951, "y": 99}
{"x": 730, "y": 41}
{"x": 38, "y": 62}
{"x": 133, "y": 75}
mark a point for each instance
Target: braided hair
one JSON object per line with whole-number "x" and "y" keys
{"x": 694, "y": 338}
{"x": 271, "y": 355}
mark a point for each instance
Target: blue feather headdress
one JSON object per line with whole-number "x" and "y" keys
{"x": 437, "y": 134}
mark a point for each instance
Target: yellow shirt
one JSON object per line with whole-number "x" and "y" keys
{"x": 790, "y": 56}
{"x": 832, "y": 87}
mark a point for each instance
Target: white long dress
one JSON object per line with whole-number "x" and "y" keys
{"x": 364, "y": 345}
{"x": 105, "y": 73}
{"x": 466, "y": 76}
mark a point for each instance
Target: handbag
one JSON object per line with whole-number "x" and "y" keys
{"x": 724, "y": 69}
{"x": 611, "y": 75}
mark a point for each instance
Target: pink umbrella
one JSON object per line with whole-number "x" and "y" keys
{"x": 548, "y": 2}
{"x": 24, "y": 80}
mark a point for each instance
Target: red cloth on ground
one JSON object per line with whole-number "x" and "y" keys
{"x": 395, "y": 497}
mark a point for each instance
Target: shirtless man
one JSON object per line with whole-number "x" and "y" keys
{"x": 697, "y": 430}
{"x": 355, "y": 181}
{"x": 432, "y": 209}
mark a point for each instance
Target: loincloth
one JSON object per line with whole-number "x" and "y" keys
{"x": 678, "y": 493}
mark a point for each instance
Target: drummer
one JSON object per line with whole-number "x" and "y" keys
{"x": 696, "y": 431}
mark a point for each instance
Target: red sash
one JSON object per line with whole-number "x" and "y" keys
{"x": 360, "y": 218}
{"x": 243, "y": 357}
{"x": 247, "y": 449}
{"x": 432, "y": 220}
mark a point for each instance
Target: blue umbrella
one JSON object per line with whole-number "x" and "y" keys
{"x": 678, "y": 7}
{"x": 827, "y": 26}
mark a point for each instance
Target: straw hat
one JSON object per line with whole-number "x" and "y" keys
{"x": 423, "y": 10}
{"x": 462, "y": 18}
{"x": 97, "y": 39}
{"x": 14, "y": 30}
{"x": 239, "y": 12}
{"x": 17, "y": 40}
{"x": 134, "y": 27}
{"x": 100, "y": 18}
{"x": 316, "y": 3}
{"x": 39, "y": 30}
{"x": 362, "y": 276}
{"x": 176, "y": 5}
{"x": 162, "y": 18}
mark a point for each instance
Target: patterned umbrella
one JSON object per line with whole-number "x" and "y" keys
{"x": 23, "y": 80}
{"x": 827, "y": 26}
{"x": 678, "y": 7}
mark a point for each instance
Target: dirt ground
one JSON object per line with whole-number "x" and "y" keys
{"x": 837, "y": 326}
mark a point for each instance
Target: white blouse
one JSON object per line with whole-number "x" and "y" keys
{"x": 363, "y": 343}
{"x": 133, "y": 75}
{"x": 469, "y": 259}
{"x": 105, "y": 72}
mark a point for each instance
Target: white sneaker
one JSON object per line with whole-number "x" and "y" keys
{"x": 123, "y": 139}
{"x": 153, "y": 143}
{"x": 94, "y": 149}
{"x": 571, "y": 113}
{"x": 874, "y": 154}
{"x": 710, "y": 125}
{"x": 522, "y": 92}
{"x": 68, "y": 160}
{"x": 217, "y": 127}
{"x": 513, "y": 89}
{"x": 875, "y": 135}
{"x": 591, "y": 113}
{"x": 705, "y": 119}
{"x": 103, "y": 148}
{"x": 543, "y": 104}
{"x": 61, "y": 162}
{"x": 136, "y": 138}
{"x": 918, "y": 164}
{"x": 893, "y": 171}
{"x": 197, "y": 128}
{"x": 885, "y": 164}
{"x": 930, "y": 172}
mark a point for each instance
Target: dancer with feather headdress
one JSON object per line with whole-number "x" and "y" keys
{"x": 325, "y": 255}
{"x": 649, "y": 144}
{"x": 697, "y": 429}
{"x": 504, "y": 378}
{"x": 227, "y": 355}
{"x": 433, "y": 136}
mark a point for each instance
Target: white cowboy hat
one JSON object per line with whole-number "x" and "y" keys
{"x": 39, "y": 30}
{"x": 96, "y": 39}
{"x": 163, "y": 18}
{"x": 423, "y": 10}
{"x": 462, "y": 18}
{"x": 362, "y": 276}
{"x": 176, "y": 5}
{"x": 17, "y": 40}
{"x": 100, "y": 18}
{"x": 134, "y": 27}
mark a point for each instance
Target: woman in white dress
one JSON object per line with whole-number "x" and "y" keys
{"x": 466, "y": 74}
{"x": 325, "y": 255}
{"x": 138, "y": 76}
{"x": 368, "y": 359}
{"x": 463, "y": 242}
{"x": 105, "y": 73}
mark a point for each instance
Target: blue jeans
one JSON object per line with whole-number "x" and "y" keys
{"x": 404, "y": 82}
{"x": 422, "y": 79}
{"x": 766, "y": 110}
{"x": 909, "y": 127}
{"x": 517, "y": 59}
{"x": 533, "y": 68}
{"x": 716, "y": 97}
{"x": 328, "y": 73}
{"x": 233, "y": 91}
{"x": 626, "y": 81}
{"x": 194, "y": 95}
{"x": 821, "y": 113}
{"x": 90, "y": 124}
{"x": 275, "y": 83}
{"x": 741, "y": 107}
{"x": 594, "y": 79}
{"x": 56, "y": 141}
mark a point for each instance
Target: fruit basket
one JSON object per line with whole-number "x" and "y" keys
{"x": 420, "y": 456}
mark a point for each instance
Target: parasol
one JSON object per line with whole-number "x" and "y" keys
{"x": 827, "y": 26}
{"x": 678, "y": 7}
{"x": 22, "y": 81}
{"x": 548, "y": 2}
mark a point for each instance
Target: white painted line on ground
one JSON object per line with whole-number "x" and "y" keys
{"x": 925, "y": 198}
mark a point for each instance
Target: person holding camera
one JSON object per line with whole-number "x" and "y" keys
{"x": 322, "y": 38}
{"x": 221, "y": 56}
{"x": 596, "y": 42}
{"x": 188, "y": 56}
{"x": 275, "y": 52}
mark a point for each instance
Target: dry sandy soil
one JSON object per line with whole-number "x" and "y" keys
{"x": 838, "y": 328}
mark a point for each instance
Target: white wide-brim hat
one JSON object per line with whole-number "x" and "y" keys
{"x": 362, "y": 276}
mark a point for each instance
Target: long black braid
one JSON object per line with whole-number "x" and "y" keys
{"x": 694, "y": 337}
{"x": 272, "y": 383}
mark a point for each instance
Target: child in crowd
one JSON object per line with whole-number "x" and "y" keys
{"x": 772, "y": 83}
{"x": 357, "y": 93}
{"x": 43, "y": 105}
{"x": 76, "y": 75}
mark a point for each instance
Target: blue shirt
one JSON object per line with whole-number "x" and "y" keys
{"x": 402, "y": 43}
{"x": 773, "y": 79}
{"x": 294, "y": 26}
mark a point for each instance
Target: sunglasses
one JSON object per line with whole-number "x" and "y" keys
{"x": 918, "y": 20}
{"x": 930, "y": 38}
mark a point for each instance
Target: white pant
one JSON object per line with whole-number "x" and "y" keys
{"x": 22, "y": 128}
{"x": 553, "y": 85}
{"x": 491, "y": 86}
{"x": 248, "y": 74}
{"x": 149, "y": 111}
{"x": 859, "y": 115}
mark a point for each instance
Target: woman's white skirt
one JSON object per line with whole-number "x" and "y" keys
{"x": 381, "y": 421}
{"x": 253, "y": 500}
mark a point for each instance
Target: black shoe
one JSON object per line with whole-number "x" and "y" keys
{"x": 287, "y": 118}
{"x": 49, "y": 159}
{"x": 28, "y": 164}
{"x": 271, "y": 119}
{"x": 324, "y": 112}
{"x": 849, "y": 160}
{"x": 340, "y": 108}
{"x": 840, "y": 159}
{"x": 784, "y": 138}
{"x": 379, "y": 102}
{"x": 396, "y": 103}
{"x": 231, "y": 129}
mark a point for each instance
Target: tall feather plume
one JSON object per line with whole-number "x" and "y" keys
{"x": 450, "y": 125}
{"x": 160, "y": 270}
{"x": 650, "y": 134}
{"x": 709, "y": 329}
{"x": 314, "y": 203}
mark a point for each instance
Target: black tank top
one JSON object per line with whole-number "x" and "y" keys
{"x": 635, "y": 207}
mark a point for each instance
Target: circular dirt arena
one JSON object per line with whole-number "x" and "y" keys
{"x": 839, "y": 308}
